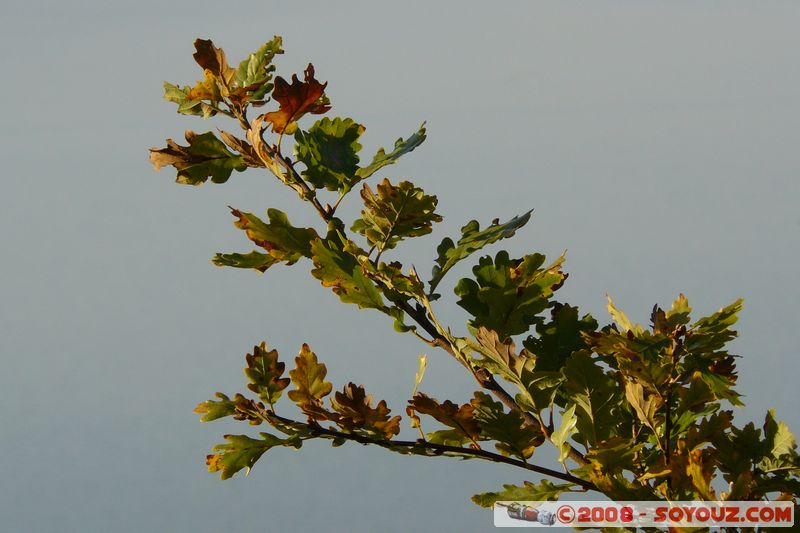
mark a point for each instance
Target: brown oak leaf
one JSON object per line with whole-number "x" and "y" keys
{"x": 356, "y": 410}
{"x": 296, "y": 100}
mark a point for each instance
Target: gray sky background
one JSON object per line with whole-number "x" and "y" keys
{"x": 657, "y": 142}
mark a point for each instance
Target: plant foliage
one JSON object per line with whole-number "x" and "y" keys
{"x": 633, "y": 412}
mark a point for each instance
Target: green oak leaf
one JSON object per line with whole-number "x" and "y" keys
{"x": 283, "y": 241}
{"x": 401, "y": 147}
{"x": 713, "y": 332}
{"x": 255, "y": 260}
{"x": 500, "y": 357}
{"x": 264, "y": 372}
{"x": 667, "y": 321}
{"x": 341, "y": 271}
{"x": 780, "y": 447}
{"x": 615, "y": 454}
{"x": 543, "y": 491}
{"x": 187, "y": 105}
{"x": 447, "y": 437}
{"x": 472, "y": 239}
{"x": 513, "y": 437}
{"x": 329, "y": 150}
{"x": 242, "y": 452}
{"x": 507, "y": 295}
{"x": 695, "y": 402}
{"x": 395, "y": 283}
{"x": 205, "y": 157}
{"x": 621, "y": 319}
{"x": 254, "y": 74}
{"x": 395, "y": 213}
{"x": 560, "y": 337}
{"x": 560, "y": 437}
{"x": 214, "y": 409}
{"x": 595, "y": 396}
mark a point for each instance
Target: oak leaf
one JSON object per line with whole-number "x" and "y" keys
{"x": 383, "y": 158}
{"x": 296, "y": 100}
{"x": 308, "y": 378}
{"x": 508, "y": 295}
{"x": 508, "y": 429}
{"x": 459, "y": 418}
{"x": 472, "y": 239}
{"x": 264, "y": 372}
{"x": 242, "y": 452}
{"x": 214, "y": 409}
{"x": 282, "y": 241}
{"x": 541, "y": 491}
{"x": 395, "y": 213}
{"x": 357, "y": 414}
{"x": 329, "y": 150}
{"x": 340, "y": 270}
{"x": 205, "y": 157}
{"x": 212, "y": 59}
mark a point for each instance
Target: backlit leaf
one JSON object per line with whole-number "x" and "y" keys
{"x": 560, "y": 437}
{"x": 500, "y": 356}
{"x": 621, "y": 319}
{"x": 679, "y": 313}
{"x": 645, "y": 405}
{"x": 595, "y": 396}
{"x": 714, "y": 332}
{"x": 423, "y": 363}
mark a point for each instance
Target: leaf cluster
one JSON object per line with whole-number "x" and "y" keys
{"x": 632, "y": 412}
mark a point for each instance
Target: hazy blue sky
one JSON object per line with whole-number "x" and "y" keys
{"x": 657, "y": 142}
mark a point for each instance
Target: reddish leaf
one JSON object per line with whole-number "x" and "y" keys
{"x": 296, "y": 100}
